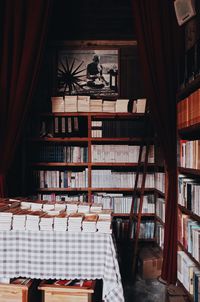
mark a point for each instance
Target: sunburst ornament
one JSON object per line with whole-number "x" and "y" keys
{"x": 69, "y": 76}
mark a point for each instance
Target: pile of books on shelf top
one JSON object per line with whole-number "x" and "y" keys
{"x": 40, "y": 215}
{"x": 81, "y": 103}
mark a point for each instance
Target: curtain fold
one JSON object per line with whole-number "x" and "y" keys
{"x": 22, "y": 39}
{"x": 158, "y": 38}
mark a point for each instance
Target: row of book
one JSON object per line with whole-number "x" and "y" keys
{"x": 117, "y": 179}
{"x": 189, "y": 235}
{"x": 160, "y": 208}
{"x": 160, "y": 181}
{"x": 189, "y": 152}
{"x": 58, "y": 220}
{"x": 60, "y": 179}
{"x": 189, "y": 193}
{"x": 189, "y": 274}
{"x": 60, "y": 126}
{"x": 53, "y": 196}
{"x": 118, "y": 128}
{"x": 81, "y": 103}
{"x": 123, "y": 204}
{"x": 120, "y": 153}
{"x": 121, "y": 229}
{"x": 58, "y": 153}
{"x": 188, "y": 110}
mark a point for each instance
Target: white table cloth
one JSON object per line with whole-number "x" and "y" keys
{"x": 62, "y": 255}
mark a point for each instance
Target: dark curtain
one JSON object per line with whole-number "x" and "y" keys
{"x": 23, "y": 31}
{"x": 158, "y": 43}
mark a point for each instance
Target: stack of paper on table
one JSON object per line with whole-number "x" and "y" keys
{"x": 96, "y": 207}
{"x": 72, "y": 207}
{"x": 48, "y": 206}
{"x": 89, "y": 223}
{"x": 46, "y": 223}
{"x": 75, "y": 222}
{"x": 6, "y": 218}
{"x": 33, "y": 219}
{"x": 60, "y": 222}
{"x": 19, "y": 220}
{"x": 104, "y": 226}
{"x": 60, "y": 206}
{"x": 83, "y": 207}
{"x": 105, "y": 214}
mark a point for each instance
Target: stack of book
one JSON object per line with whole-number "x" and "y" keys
{"x": 46, "y": 223}
{"x": 25, "y": 205}
{"x": 60, "y": 206}
{"x": 96, "y": 207}
{"x": 36, "y": 205}
{"x": 104, "y": 226}
{"x": 140, "y": 105}
{"x": 72, "y": 207}
{"x": 105, "y": 214}
{"x": 6, "y": 219}
{"x": 122, "y": 105}
{"x": 83, "y": 103}
{"x": 58, "y": 104}
{"x": 48, "y": 206}
{"x": 60, "y": 222}
{"x": 89, "y": 224}
{"x": 19, "y": 220}
{"x": 70, "y": 103}
{"x": 109, "y": 106}
{"x": 96, "y": 105}
{"x": 83, "y": 207}
{"x": 75, "y": 222}
{"x": 33, "y": 220}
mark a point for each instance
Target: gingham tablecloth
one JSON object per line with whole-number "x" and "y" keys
{"x": 62, "y": 255}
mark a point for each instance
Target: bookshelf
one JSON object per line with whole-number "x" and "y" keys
{"x": 97, "y": 169}
{"x": 188, "y": 125}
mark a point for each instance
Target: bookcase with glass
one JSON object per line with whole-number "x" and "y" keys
{"x": 87, "y": 151}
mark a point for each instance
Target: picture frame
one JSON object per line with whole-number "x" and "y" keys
{"x": 90, "y": 71}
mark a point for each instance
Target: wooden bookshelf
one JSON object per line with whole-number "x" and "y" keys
{"x": 188, "y": 133}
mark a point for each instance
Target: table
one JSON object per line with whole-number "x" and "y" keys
{"x": 62, "y": 255}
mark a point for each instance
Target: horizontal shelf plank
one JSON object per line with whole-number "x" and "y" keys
{"x": 117, "y": 140}
{"x": 62, "y": 189}
{"x": 190, "y": 213}
{"x": 103, "y": 164}
{"x": 190, "y": 132}
{"x": 59, "y": 139}
{"x": 96, "y": 114}
{"x": 151, "y": 190}
{"x": 189, "y": 254}
{"x": 189, "y": 88}
{"x": 162, "y": 194}
{"x": 127, "y": 215}
{"x": 60, "y": 164}
{"x": 189, "y": 171}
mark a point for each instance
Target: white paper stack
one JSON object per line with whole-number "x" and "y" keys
{"x": 141, "y": 105}
{"x": 89, "y": 224}
{"x": 46, "y": 223}
{"x": 96, "y": 207}
{"x": 19, "y": 220}
{"x": 75, "y": 222}
{"x": 83, "y": 207}
{"x": 109, "y": 106}
{"x": 72, "y": 207}
{"x": 83, "y": 103}
{"x": 25, "y": 205}
{"x": 48, "y": 206}
{"x": 60, "y": 206}
{"x": 71, "y": 103}
{"x": 122, "y": 105}
{"x": 104, "y": 226}
{"x": 36, "y": 206}
{"x": 60, "y": 222}
{"x": 105, "y": 214}
{"x": 58, "y": 104}
{"x": 33, "y": 220}
{"x": 96, "y": 105}
{"x": 6, "y": 219}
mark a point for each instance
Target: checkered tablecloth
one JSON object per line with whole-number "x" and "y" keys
{"x": 61, "y": 255}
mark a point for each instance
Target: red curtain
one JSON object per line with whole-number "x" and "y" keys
{"x": 23, "y": 31}
{"x": 158, "y": 43}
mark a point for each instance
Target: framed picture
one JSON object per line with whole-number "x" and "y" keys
{"x": 85, "y": 71}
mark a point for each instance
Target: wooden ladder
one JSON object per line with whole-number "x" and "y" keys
{"x": 134, "y": 216}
